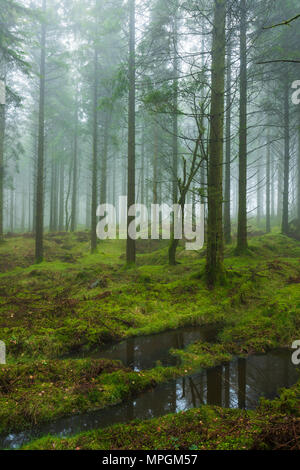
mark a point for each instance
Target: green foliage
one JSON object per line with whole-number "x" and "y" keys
{"x": 52, "y": 309}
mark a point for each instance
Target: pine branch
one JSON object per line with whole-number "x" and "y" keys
{"x": 284, "y": 23}
{"x": 293, "y": 61}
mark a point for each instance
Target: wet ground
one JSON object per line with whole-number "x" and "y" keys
{"x": 238, "y": 384}
{"x": 145, "y": 352}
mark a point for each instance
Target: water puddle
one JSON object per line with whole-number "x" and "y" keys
{"x": 144, "y": 352}
{"x": 238, "y": 384}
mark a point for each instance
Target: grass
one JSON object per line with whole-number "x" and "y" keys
{"x": 76, "y": 301}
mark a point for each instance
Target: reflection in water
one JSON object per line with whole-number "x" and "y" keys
{"x": 238, "y": 384}
{"x": 144, "y": 352}
{"x": 242, "y": 380}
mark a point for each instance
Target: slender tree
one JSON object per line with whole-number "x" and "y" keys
{"x": 242, "y": 243}
{"x": 227, "y": 191}
{"x": 286, "y": 171}
{"x": 39, "y": 224}
{"x": 130, "y": 246}
{"x": 95, "y": 155}
{"x": 2, "y": 133}
{"x": 214, "y": 261}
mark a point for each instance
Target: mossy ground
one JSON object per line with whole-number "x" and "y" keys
{"x": 75, "y": 301}
{"x": 275, "y": 425}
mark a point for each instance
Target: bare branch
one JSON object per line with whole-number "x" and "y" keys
{"x": 284, "y": 23}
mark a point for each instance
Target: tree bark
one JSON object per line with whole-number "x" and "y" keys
{"x": 227, "y": 195}
{"x": 61, "y": 196}
{"x": 298, "y": 174}
{"x": 103, "y": 188}
{"x": 2, "y": 134}
{"x": 268, "y": 186}
{"x": 242, "y": 243}
{"x": 286, "y": 171}
{"x": 214, "y": 261}
{"x": 131, "y": 246}
{"x": 39, "y": 224}
{"x": 95, "y": 156}
{"x": 75, "y": 174}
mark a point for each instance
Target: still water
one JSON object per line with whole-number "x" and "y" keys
{"x": 238, "y": 384}
{"x": 145, "y": 352}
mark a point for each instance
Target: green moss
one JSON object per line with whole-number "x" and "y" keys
{"x": 50, "y": 310}
{"x": 274, "y": 425}
{"x": 36, "y": 392}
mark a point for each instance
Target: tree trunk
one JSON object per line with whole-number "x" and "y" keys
{"x": 227, "y": 195}
{"x": 12, "y": 210}
{"x": 214, "y": 261}
{"x": 175, "y": 116}
{"x": 95, "y": 156}
{"x": 39, "y": 224}
{"x": 103, "y": 188}
{"x": 268, "y": 186}
{"x": 298, "y": 174}
{"x": 55, "y": 198}
{"x": 75, "y": 174}
{"x": 2, "y": 133}
{"x": 242, "y": 243}
{"x": 258, "y": 196}
{"x": 130, "y": 246}
{"x": 286, "y": 174}
{"x": 51, "y": 196}
{"x": 143, "y": 167}
{"x": 61, "y": 196}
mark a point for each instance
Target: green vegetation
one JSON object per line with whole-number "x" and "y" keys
{"x": 41, "y": 391}
{"x": 274, "y": 425}
{"x": 65, "y": 305}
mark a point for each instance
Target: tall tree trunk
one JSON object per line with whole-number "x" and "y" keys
{"x": 258, "y": 195}
{"x": 298, "y": 174}
{"x": 103, "y": 186}
{"x": 2, "y": 133}
{"x": 11, "y": 212}
{"x": 29, "y": 207}
{"x": 95, "y": 156}
{"x": 23, "y": 210}
{"x": 61, "y": 196}
{"x": 286, "y": 171}
{"x": 227, "y": 195}
{"x": 175, "y": 104}
{"x": 242, "y": 243}
{"x": 51, "y": 196}
{"x": 155, "y": 170}
{"x": 174, "y": 243}
{"x": 88, "y": 208}
{"x": 75, "y": 174}
{"x": 143, "y": 167}
{"x": 130, "y": 246}
{"x": 279, "y": 189}
{"x": 272, "y": 187}
{"x": 268, "y": 186}
{"x": 214, "y": 261}
{"x": 114, "y": 177}
{"x": 55, "y": 197}
{"x": 39, "y": 224}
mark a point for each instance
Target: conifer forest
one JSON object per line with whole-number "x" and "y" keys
{"x": 149, "y": 227}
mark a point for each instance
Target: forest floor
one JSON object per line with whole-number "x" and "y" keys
{"x": 77, "y": 301}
